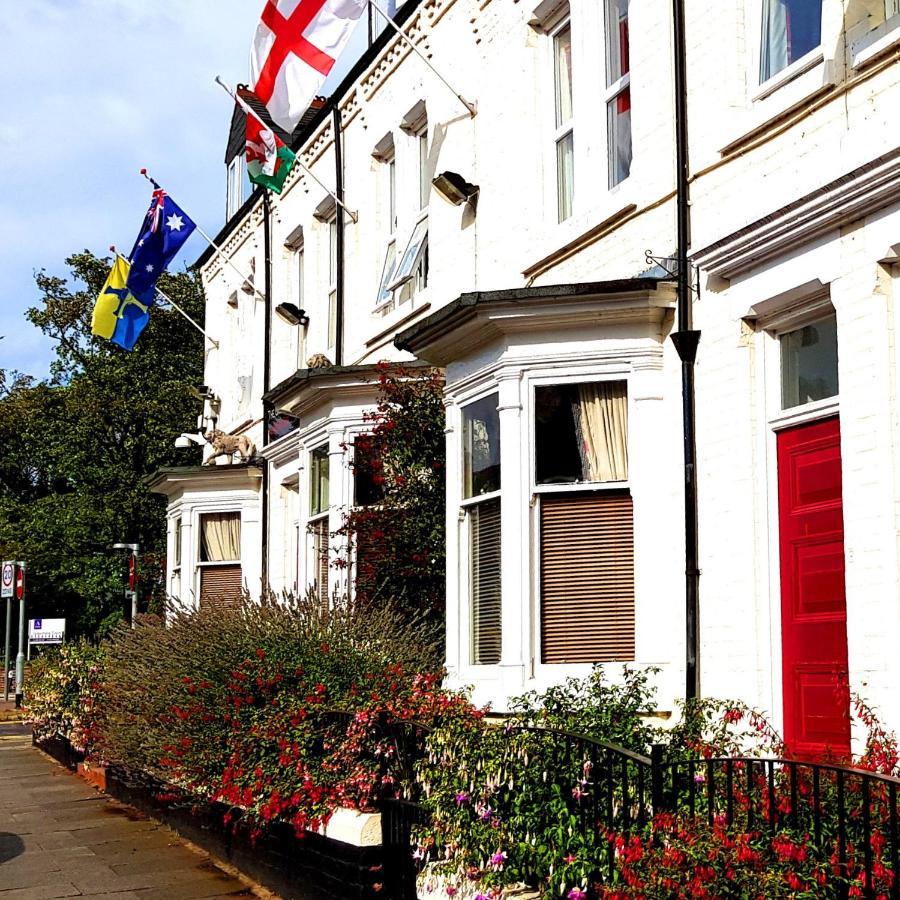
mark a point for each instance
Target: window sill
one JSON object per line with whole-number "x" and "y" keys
{"x": 568, "y": 238}
{"x": 789, "y": 74}
{"x": 580, "y": 487}
{"x": 806, "y": 412}
{"x": 780, "y": 96}
{"x": 881, "y": 39}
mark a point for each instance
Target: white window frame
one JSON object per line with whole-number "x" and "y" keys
{"x": 331, "y": 309}
{"x": 802, "y": 64}
{"x": 466, "y": 504}
{"x": 236, "y": 174}
{"x": 566, "y": 129}
{"x": 312, "y": 559}
{"x": 384, "y": 299}
{"x": 614, "y": 89}
{"x": 578, "y": 487}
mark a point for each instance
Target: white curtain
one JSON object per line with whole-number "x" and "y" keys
{"x": 775, "y": 46}
{"x": 601, "y": 422}
{"x": 220, "y": 536}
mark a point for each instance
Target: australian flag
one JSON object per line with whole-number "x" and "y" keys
{"x": 165, "y": 229}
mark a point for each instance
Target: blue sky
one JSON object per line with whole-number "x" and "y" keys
{"x": 96, "y": 89}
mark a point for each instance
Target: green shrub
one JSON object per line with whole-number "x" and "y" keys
{"x": 60, "y": 693}
{"x": 284, "y": 710}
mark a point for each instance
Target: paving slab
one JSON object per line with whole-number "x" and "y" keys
{"x": 60, "y": 838}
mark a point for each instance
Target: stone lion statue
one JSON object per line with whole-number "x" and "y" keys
{"x": 319, "y": 361}
{"x": 229, "y": 444}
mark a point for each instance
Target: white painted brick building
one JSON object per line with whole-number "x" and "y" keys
{"x": 537, "y": 299}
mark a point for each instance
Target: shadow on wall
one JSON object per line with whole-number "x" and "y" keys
{"x": 11, "y": 846}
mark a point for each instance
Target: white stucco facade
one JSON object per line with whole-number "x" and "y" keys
{"x": 795, "y": 186}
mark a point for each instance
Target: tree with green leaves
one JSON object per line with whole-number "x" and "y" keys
{"x": 77, "y": 445}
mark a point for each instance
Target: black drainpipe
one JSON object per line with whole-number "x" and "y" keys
{"x": 686, "y": 341}
{"x": 339, "y": 221}
{"x": 267, "y": 369}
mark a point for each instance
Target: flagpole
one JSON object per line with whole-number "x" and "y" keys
{"x": 177, "y": 308}
{"x": 352, "y": 213}
{"x": 215, "y": 246}
{"x": 470, "y": 107}
{"x": 172, "y": 303}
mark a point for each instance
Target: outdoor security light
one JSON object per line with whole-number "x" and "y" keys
{"x": 454, "y": 188}
{"x": 186, "y": 439}
{"x": 292, "y": 314}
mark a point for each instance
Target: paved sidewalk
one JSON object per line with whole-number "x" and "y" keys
{"x": 61, "y": 838}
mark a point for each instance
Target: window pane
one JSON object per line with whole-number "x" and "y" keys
{"x": 790, "y": 29}
{"x": 565, "y": 175}
{"x": 387, "y": 273}
{"x": 318, "y": 480}
{"x": 332, "y": 251}
{"x": 484, "y": 530}
{"x": 481, "y": 447}
{"x": 562, "y": 58}
{"x": 392, "y": 196}
{"x": 617, "y": 63}
{"x": 809, "y": 363}
{"x": 619, "y": 111}
{"x": 332, "y": 318}
{"x": 300, "y": 268}
{"x": 178, "y": 541}
{"x": 424, "y": 180}
{"x": 581, "y": 432}
{"x": 368, "y": 480}
{"x": 220, "y": 537}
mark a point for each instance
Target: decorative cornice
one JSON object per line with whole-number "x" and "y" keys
{"x": 857, "y": 194}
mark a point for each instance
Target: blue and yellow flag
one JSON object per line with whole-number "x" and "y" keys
{"x": 120, "y": 316}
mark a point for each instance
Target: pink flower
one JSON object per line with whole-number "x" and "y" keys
{"x": 462, "y": 798}
{"x": 577, "y": 894}
{"x": 498, "y": 859}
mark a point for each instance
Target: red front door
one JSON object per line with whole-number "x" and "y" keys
{"x": 813, "y": 602}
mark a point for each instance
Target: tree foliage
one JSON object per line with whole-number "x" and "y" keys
{"x": 77, "y": 445}
{"x": 398, "y": 535}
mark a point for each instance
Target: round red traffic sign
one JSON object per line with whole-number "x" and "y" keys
{"x": 7, "y": 576}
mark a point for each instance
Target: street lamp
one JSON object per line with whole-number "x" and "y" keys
{"x": 131, "y": 590}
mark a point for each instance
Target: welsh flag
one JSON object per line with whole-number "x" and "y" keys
{"x": 269, "y": 159}
{"x": 296, "y": 45}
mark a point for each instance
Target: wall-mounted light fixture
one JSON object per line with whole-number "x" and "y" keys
{"x": 454, "y": 188}
{"x": 292, "y": 314}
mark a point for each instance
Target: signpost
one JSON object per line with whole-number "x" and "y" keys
{"x": 20, "y": 656}
{"x": 7, "y": 576}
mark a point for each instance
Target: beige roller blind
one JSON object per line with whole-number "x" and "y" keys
{"x": 587, "y": 578}
{"x": 484, "y": 529}
{"x": 319, "y": 529}
{"x": 220, "y": 585}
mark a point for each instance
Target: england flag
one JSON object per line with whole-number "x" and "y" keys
{"x": 296, "y": 45}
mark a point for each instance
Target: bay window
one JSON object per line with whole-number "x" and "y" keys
{"x": 586, "y": 530}
{"x": 790, "y": 30}
{"x": 481, "y": 505}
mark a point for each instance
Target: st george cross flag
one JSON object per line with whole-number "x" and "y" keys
{"x": 165, "y": 229}
{"x": 295, "y": 47}
{"x": 269, "y": 159}
{"x": 119, "y": 316}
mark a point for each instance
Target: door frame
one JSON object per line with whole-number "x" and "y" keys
{"x": 777, "y": 420}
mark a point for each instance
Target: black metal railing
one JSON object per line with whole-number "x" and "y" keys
{"x": 848, "y": 817}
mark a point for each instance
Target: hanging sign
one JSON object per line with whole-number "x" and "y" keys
{"x": 7, "y": 576}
